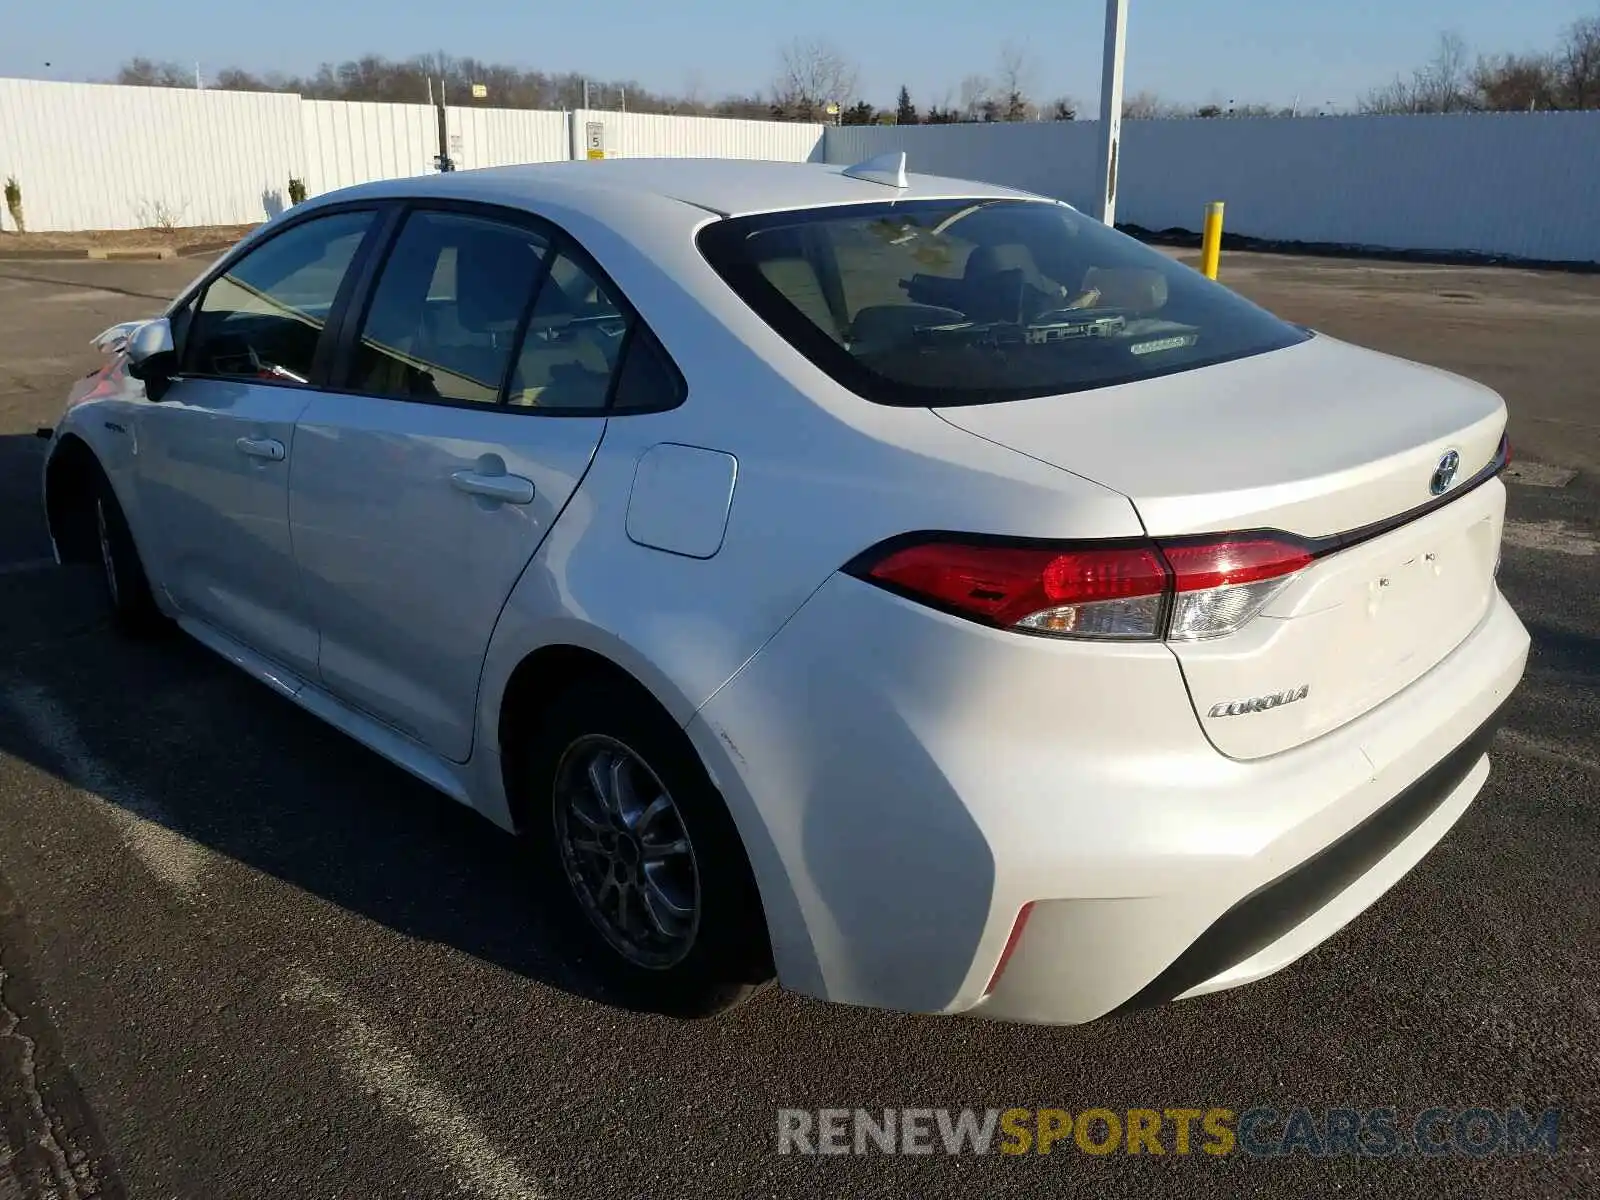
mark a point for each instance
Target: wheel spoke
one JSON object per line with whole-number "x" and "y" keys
{"x": 656, "y": 851}
{"x": 590, "y": 846}
{"x": 623, "y": 916}
{"x": 600, "y": 780}
{"x": 593, "y": 824}
{"x": 666, "y": 913}
{"x": 652, "y": 813}
{"x": 626, "y": 802}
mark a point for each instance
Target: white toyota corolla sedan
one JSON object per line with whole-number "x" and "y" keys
{"x": 900, "y": 586}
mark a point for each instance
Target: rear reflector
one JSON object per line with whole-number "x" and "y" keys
{"x": 1189, "y": 588}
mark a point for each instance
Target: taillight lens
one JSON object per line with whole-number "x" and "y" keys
{"x": 1091, "y": 592}
{"x": 1185, "y": 589}
{"x": 1222, "y": 583}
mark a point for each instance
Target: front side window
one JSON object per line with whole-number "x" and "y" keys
{"x": 263, "y": 317}
{"x": 445, "y": 314}
{"x": 932, "y": 303}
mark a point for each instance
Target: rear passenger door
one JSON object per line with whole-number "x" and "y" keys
{"x": 471, "y": 393}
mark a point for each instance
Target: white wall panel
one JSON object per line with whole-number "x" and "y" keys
{"x": 99, "y": 156}
{"x": 1522, "y": 184}
{"x": 349, "y": 141}
{"x": 1519, "y": 184}
{"x": 1051, "y": 158}
{"x": 500, "y": 137}
{"x": 649, "y": 135}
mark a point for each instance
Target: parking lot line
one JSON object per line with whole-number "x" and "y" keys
{"x": 401, "y": 1086}
{"x": 145, "y": 828}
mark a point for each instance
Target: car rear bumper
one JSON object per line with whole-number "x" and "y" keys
{"x": 908, "y": 782}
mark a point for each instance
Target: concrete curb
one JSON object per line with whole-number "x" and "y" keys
{"x": 146, "y": 254}
{"x": 25, "y": 255}
{"x": 115, "y": 253}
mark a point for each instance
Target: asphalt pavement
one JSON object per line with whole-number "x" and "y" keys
{"x": 241, "y": 956}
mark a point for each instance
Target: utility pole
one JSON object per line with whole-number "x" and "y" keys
{"x": 443, "y": 162}
{"x": 1105, "y": 208}
{"x": 199, "y": 84}
{"x": 585, "y": 93}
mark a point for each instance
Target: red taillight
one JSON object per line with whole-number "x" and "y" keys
{"x": 1181, "y": 589}
{"x": 1017, "y": 927}
{"x": 1197, "y": 566}
{"x": 1091, "y": 591}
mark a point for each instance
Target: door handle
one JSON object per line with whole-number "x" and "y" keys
{"x": 267, "y": 448}
{"x": 510, "y": 489}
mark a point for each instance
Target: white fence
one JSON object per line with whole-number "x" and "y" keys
{"x": 1518, "y": 184}
{"x": 648, "y": 135}
{"x": 100, "y": 156}
{"x": 96, "y": 156}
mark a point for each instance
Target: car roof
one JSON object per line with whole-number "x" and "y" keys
{"x": 727, "y": 187}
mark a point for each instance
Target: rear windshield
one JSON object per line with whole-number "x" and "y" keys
{"x": 947, "y": 302}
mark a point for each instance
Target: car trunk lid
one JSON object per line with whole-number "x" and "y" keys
{"x": 1344, "y": 447}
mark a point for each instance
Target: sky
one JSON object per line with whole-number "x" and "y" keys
{"x": 1192, "y": 51}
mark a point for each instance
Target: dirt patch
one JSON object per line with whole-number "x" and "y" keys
{"x": 122, "y": 239}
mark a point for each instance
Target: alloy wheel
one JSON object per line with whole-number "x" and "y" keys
{"x": 626, "y": 852}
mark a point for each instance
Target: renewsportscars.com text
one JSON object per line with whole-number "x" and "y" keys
{"x": 1258, "y": 1132}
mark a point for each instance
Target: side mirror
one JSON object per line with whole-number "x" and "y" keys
{"x": 152, "y": 358}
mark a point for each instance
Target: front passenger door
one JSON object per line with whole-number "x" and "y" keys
{"x": 214, "y": 454}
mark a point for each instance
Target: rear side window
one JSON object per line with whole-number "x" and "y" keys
{"x": 444, "y": 317}
{"x": 263, "y": 317}
{"x": 587, "y": 351}
{"x": 934, "y": 303}
{"x": 573, "y": 342}
{"x": 648, "y": 381}
{"x": 469, "y": 309}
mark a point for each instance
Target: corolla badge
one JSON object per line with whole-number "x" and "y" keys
{"x": 1445, "y": 473}
{"x": 1238, "y": 708}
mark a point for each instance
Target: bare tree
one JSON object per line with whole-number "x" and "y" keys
{"x": 976, "y": 100}
{"x": 143, "y": 72}
{"x": 812, "y": 74}
{"x": 1062, "y": 108}
{"x": 1442, "y": 85}
{"x": 1144, "y": 106}
{"x": 1578, "y": 64}
{"x": 1014, "y": 77}
{"x": 694, "y": 87}
{"x": 1516, "y": 83}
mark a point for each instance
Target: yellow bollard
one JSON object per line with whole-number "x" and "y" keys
{"x": 1211, "y": 240}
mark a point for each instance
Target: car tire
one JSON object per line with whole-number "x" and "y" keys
{"x": 133, "y": 608}
{"x": 667, "y": 845}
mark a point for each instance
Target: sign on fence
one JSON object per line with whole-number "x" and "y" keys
{"x": 595, "y": 138}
